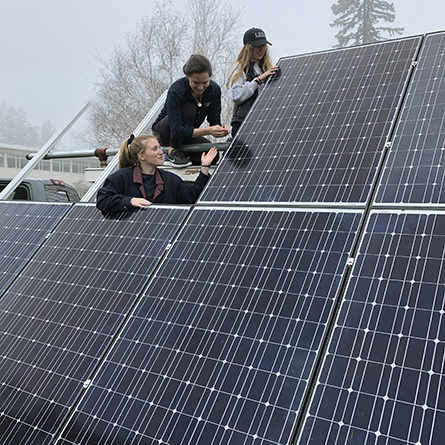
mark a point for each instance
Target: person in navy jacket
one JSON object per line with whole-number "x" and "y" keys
{"x": 139, "y": 183}
{"x": 190, "y": 101}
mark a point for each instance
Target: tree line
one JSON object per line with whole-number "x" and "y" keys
{"x": 15, "y": 128}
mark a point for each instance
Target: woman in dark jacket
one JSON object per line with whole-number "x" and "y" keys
{"x": 139, "y": 183}
{"x": 190, "y": 100}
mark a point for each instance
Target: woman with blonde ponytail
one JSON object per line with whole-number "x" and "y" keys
{"x": 139, "y": 182}
{"x": 246, "y": 75}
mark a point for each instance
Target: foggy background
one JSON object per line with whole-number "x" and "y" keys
{"x": 48, "y": 47}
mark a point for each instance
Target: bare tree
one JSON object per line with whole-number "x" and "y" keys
{"x": 134, "y": 77}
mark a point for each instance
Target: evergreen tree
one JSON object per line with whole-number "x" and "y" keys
{"x": 358, "y": 20}
{"x": 46, "y": 131}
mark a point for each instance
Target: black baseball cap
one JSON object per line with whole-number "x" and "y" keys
{"x": 256, "y": 37}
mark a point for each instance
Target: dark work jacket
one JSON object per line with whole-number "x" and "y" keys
{"x": 240, "y": 111}
{"x": 179, "y": 93}
{"x": 127, "y": 183}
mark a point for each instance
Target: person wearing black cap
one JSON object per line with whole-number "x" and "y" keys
{"x": 250, "y": 70}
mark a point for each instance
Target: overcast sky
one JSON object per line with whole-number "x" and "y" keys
{"x": 47, "y": 47}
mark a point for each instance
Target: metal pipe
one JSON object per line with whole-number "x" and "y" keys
{"x": 192, "y": 148}
{"x": 72, "y": 154}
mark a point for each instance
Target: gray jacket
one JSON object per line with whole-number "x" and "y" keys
{"x": 240, "y": 110}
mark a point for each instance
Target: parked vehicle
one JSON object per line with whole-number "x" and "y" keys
{"x": 43, "y": 190}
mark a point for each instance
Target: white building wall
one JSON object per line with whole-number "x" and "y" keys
{"x": 13, "y": 159}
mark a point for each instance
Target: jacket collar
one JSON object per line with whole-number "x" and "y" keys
{"x": 137, "y": 179}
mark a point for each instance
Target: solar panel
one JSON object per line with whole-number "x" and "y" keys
{"x": 382, "y": 379}
{"x": 223, "y": 341}
{"x": 415, "y": 170}
{"x": 61, "y": 312}
{"x": 317, "y": 132}
{"x": 23, "y": 228}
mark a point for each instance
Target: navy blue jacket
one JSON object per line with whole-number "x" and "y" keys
{"x": 179, "y": 93}
{"x": 127, "y": 183}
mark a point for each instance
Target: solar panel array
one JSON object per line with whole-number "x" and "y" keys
{"x": 317, "y": 134}
{"x": 60, "y": 314}
{"x": 382, "y": 380}
{"x": 299, "y": 301}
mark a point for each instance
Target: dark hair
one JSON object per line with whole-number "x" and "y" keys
{"x": 197, "y": 64}
{"x": 128, "y": 154}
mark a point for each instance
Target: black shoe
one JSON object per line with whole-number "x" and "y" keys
{"x": 176, "y": 159}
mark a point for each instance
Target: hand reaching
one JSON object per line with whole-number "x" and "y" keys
{"x": 207, "y": 158}
{"x": 268, "y": 73}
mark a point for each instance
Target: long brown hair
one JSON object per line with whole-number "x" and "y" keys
{"x": 128, "y": 155}
{"x": 242, "y": 63}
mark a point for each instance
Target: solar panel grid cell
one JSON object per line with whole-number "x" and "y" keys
{"x": 220, "y": 348}
{"x": 60, "y": 314}
{"x": 24, "y": 227}
{"x": 381, "y": 381}
{"x": 415, "y": 169}
{"x": 317, "y": 132}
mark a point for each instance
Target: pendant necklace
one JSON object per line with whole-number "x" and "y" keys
{"x": 198, "y": 101}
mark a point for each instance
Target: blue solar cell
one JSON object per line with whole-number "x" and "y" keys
{"x": 317, "y": 132}
{"x": 415, "y": 170}
{"x": 221, "y": 345}
{"x": 60, "y": 314}
{"x": 381, "y": 379}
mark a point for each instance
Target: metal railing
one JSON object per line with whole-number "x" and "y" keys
{"x": 192, "y": 148}
{"x": 23, "y": 173}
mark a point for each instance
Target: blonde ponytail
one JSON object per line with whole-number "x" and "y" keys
{"x": 130, "y": 148}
